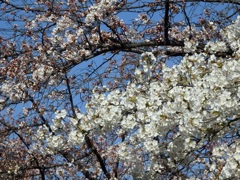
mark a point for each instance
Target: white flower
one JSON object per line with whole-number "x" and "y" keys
{"x": 25, "y": 111}
{"x": 79, "y": 32}
{"x": 61, "y": 114}
{"x": 42, "y": 73}
{"x": 75, "y": 137}
{"x": 74, "y": 121}
{"x": 218, "y": 46}
{"x": 190, "y": 45}
{"x": 56, "y": 142}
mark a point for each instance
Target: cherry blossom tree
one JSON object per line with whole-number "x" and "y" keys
{"x": 87, "y": 91}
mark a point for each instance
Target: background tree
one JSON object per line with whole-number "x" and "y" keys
{"x": 54, "y": 53}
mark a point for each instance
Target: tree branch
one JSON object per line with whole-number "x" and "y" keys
{"x": 99, "y": 158}
{"x": 166, "y": 21}
{"x": 237, "y": 2}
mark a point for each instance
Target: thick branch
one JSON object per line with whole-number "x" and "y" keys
{"x": 70, "y": 96}
{"x": 166, "y": 21}
{"x": 99, "y": 158}
{"x": 125, "y": 47}
{"x": 70, "y": 158}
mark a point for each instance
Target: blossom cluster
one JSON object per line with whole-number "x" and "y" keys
{"x": 42, "y": 73}
{"x": 98, "y": 11}
{"x": 15, "y": 92}
{"x": 78, "y": 36}
{"x": 175, "y": 116}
